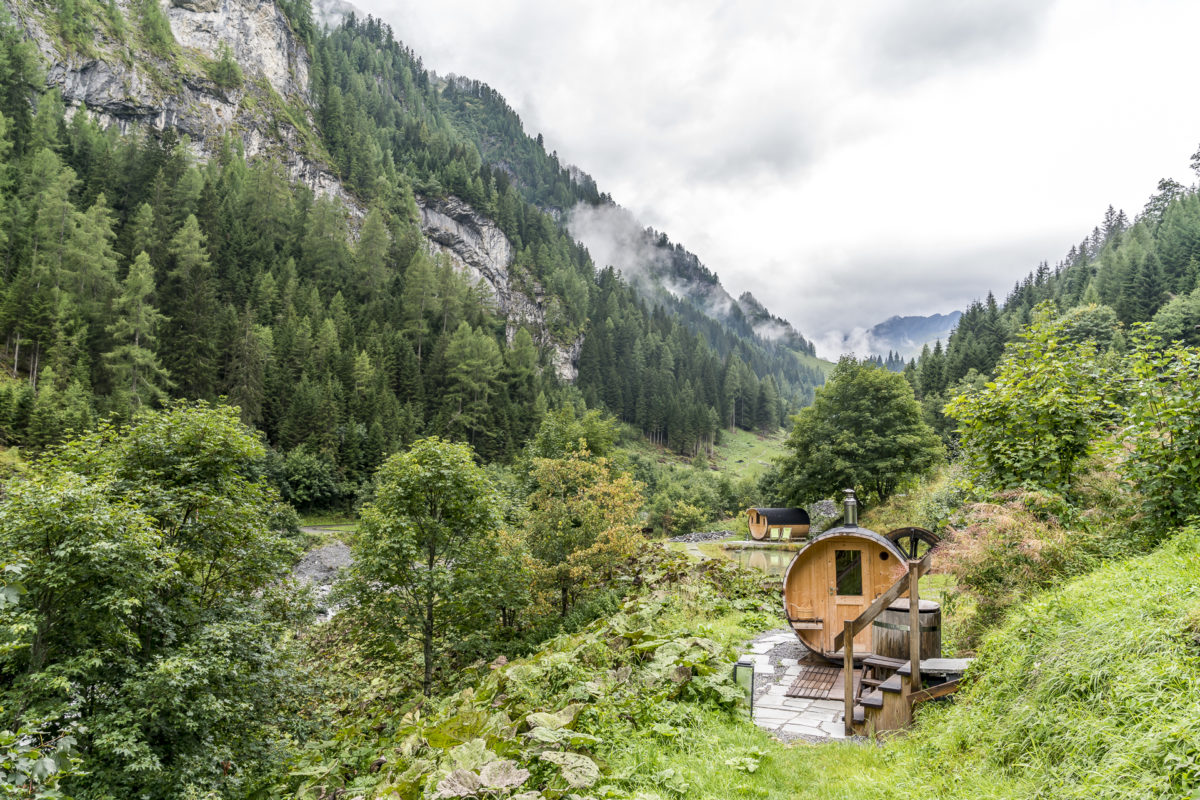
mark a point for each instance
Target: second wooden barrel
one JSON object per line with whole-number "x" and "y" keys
{"x": 889, "y": 632}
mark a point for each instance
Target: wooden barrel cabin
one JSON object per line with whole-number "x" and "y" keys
{"x": 834, "y": 578}
{"x": 777, "y": 523}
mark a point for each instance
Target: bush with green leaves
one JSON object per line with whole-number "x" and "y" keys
{"x": 1162, "y": 432}
{"x": 1033, "y": 425}
{"x": 153, "y": 628}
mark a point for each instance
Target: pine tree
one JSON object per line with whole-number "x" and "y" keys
{"x": 246, "y": 371}
{"x": 473, "y": 364}
{"x": 141, "y": 232}
{"x": 133, "y": 361}
{"x": 91, "y": 262}
{"x": 225, "y": 71}
{"x": 419, "y": 301}
{"x": 191, "y": 352}
{"x": 370, "y": 257}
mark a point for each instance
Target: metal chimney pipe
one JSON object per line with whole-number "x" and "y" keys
{"x": 851, "y": 518}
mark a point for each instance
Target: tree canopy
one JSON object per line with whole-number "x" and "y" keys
{"x": 423, "y": 546}
{"x": 153, "y": 629}
{"x": 863, "y": 431}
{"x": 1032, "y": 425}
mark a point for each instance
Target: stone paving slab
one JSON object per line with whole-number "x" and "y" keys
{"x": 789, "y": 718}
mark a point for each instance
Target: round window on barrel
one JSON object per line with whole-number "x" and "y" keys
{"x": 883, "y": 556}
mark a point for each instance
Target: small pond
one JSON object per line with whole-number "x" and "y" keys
{"x": 772, "y": 562}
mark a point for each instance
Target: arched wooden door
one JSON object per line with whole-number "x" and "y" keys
{"x": 849, "y": 582}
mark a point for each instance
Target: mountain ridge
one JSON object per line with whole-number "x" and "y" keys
{"x": 331, "y": 251}
{"x": 271, "y": 116}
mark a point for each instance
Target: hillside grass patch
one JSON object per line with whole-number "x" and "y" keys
{"x": 1091, "y": 690}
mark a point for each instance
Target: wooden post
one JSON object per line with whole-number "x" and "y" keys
{"x": 914, "y": 623}
{"x": 848, "y": 673}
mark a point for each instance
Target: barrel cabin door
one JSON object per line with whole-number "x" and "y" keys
{"x": 849, "y": 592}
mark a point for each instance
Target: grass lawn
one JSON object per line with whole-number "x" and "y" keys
{"x": 329, "y": 519}
{"x": 743, "y": 453}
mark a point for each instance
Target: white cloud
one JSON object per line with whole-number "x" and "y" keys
{"x": 845, "y": 161}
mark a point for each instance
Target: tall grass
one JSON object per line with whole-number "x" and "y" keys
{"x": 1091, "y": 690}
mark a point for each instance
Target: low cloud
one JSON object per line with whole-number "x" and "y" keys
{"x": 832, "y": 345}
{"x": 615, "y": 239}
{"x": 914, "y": 39}
{"x": 771, "y": 330}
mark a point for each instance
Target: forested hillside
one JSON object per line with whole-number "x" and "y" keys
{"x": 1147, "y": 271}
{"x": 136, "y": 270}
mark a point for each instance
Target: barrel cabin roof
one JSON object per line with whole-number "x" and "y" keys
{"x": 784, "y": 516}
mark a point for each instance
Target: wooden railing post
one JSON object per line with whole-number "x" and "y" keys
{"x": 914, "y": 623}
{"x": 848, "y": 673}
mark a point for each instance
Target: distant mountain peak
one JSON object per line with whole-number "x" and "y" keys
{"x": 905, "y": 335}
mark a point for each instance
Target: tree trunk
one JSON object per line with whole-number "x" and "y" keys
{"x": 427, "y": 644}
{"x": 427, "y": 648}
{"x": 565, "y": 599}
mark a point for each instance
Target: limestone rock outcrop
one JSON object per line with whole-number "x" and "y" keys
{"x": 479, "y": 248}
{"x": 141, "y": 90}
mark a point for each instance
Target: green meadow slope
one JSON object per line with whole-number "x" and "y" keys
{"x": 1091, "y": 690}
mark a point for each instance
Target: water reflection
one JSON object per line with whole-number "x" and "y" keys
{"x": 772, "y": 562}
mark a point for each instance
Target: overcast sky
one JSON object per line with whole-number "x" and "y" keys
{"x": 845, "y": 161}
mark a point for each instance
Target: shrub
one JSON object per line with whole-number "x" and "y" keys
{"x": 1031, "y": 427}
{"x": 1162, "y": 430}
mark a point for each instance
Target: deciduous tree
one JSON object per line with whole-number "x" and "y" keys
{"x": 863, "y": 431}
{"x": 417, "y": 553}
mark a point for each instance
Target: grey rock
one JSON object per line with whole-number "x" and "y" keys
{"x": 197, "y": 5}
{"x": 703, "y": 536}
{"x": 479, "y": 248}
{"x": 122, "y": 92}
{"x": 320, "y": 569}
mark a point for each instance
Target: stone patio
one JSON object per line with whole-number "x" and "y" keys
{"x": 777, "y": 656}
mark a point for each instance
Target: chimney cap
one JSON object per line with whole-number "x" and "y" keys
{"x": 850, "y": 504}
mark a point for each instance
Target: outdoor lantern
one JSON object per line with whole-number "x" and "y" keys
{"x": 743, "y": 676}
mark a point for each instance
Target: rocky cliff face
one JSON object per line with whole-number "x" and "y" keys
{"x": 257, "y": 33}
{"x": 481, "y": 249}
{"x": 131, "y": 88}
